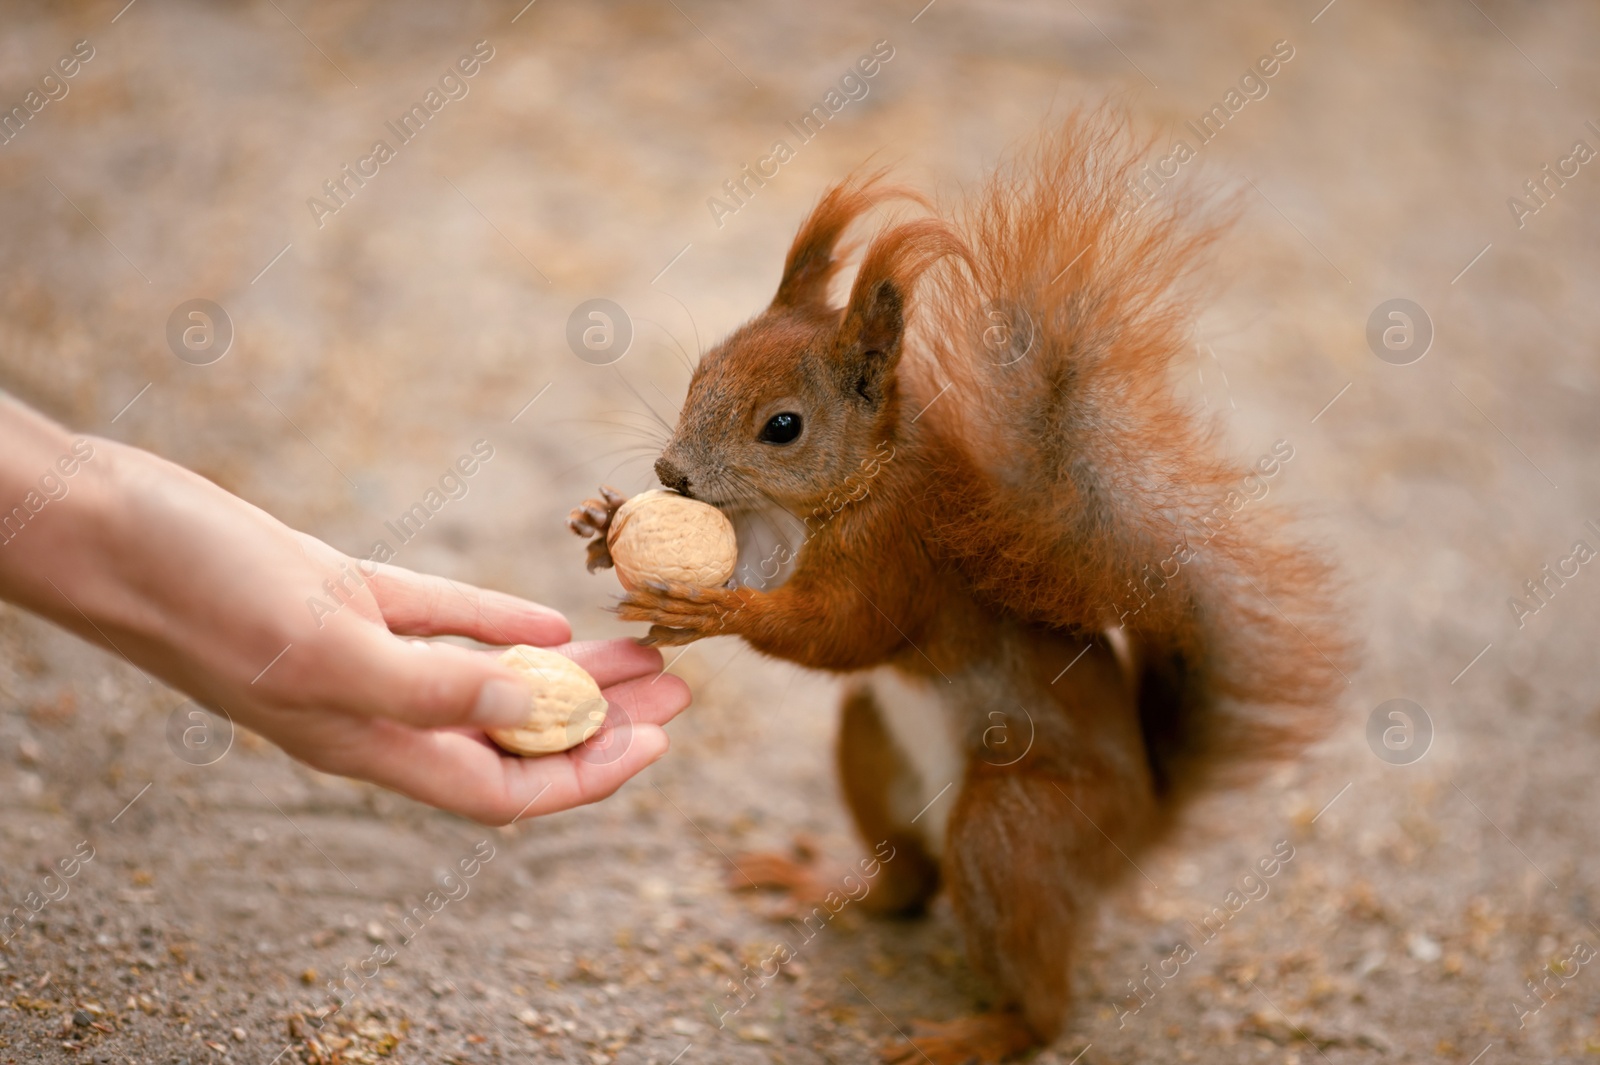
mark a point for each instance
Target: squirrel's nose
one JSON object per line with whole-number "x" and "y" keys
{"x": 672, "y": 477}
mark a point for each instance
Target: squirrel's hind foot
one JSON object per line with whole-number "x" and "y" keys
{"x": 795, "y": 874}
{"x": 982, "y": 1037}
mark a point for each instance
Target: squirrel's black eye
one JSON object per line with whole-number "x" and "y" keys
{"x": 781, "y": 428}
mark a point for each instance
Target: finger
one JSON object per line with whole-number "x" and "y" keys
{"x": 575, "y": 778}
{"x": 420, "y": 604}
{"x": 612, "y": 497}
{"x": 432, "y": 685}
{"x": 612, "y": 661}
{"x": 458, "y": 773}
{"x": 648, "y": 700}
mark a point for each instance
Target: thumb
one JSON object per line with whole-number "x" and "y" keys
{"x": 435, "y": 685}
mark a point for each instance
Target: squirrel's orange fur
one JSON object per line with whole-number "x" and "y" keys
{"x": 1008, "y": 498}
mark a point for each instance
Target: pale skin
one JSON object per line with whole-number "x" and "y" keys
{"x": 204, "y": 591}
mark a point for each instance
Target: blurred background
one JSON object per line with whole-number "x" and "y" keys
{"x": 1437, "y": 869}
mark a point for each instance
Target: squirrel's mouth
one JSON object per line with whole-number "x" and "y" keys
{"x": 727, "y": 506}
{"x": 733, "y": 508}
{"x": 770, "y": 542}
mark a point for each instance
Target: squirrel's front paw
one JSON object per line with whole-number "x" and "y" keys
{"x": 593, "y": 518}
{"x": 682, "y": 613}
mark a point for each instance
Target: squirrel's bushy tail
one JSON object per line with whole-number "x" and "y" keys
{"x": 1102, "y": 498}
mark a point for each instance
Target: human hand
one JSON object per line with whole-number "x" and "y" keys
{"x": 211, "y": 594}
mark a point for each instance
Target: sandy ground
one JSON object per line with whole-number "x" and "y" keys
{"x": 431, "y": 309}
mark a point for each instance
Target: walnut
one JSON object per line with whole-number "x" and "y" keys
{"x": 567, "y": 707}
{"x": 662, "y": 536}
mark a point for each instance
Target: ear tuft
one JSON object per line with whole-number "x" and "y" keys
{"x": 814, "y": 257}
{"x": 875, "y": 321}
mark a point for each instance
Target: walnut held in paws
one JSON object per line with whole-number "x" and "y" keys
{"x": 662, "y": 536}
{"x": 567, "y": 707}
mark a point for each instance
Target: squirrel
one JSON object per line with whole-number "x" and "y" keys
{"x": 975, "y": 492}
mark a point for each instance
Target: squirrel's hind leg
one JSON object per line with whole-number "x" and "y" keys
{"x": 872, "y": 772}
{"x": 1033, "y": 844}
{"x": 876, "y": 779}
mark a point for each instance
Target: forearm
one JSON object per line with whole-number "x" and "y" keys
{"x": 136, "y": 554}
{"x": 52, "y": 502}
{"x": 837, "y": 627}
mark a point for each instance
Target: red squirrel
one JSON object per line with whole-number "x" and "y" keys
{"x": 974, "y": 491}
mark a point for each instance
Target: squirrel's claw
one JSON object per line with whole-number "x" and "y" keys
{"x": 661, "y": 636}
{"x": 681, "y": 613}
{"x": 599, "y": 555}
{"x": 589, "y": 519}
{"x": 985, "y": 1037}
{"x": 593, "y": 518}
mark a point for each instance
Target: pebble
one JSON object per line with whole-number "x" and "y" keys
{"x": 1423, "y": 948}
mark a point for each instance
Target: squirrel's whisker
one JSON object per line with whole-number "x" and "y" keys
{"x": 699, "y": 349}
{"x": 677, "y": 346}
{"x": 640, "y": 397}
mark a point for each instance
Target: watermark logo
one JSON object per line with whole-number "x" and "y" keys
{"x": 609, "y": 742}
{"x": 1543, "y": 186}
{"x": 1399, "y": 731}
{"x": 1008, "y": 332}
{"x": 52, "y": 86}
{"x": 1399, "y": 332}
{"x": 1251, "y": 887}
{"x": 197, "y": 735}
{"x": 1008, "y": 745}
{"x": 599, "y": 332}
{"x": 454, "y": 84}
{"x": 199, "y": 332}
{"x": 739, "y": 190}
{"x": 1551, "y": 578}
{"x": 1254, "y": 84}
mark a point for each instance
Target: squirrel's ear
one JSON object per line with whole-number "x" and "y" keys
{"x": 869, "y": 339}
{"x": 874, "y": 325}
{"x": 814, "y": 257}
